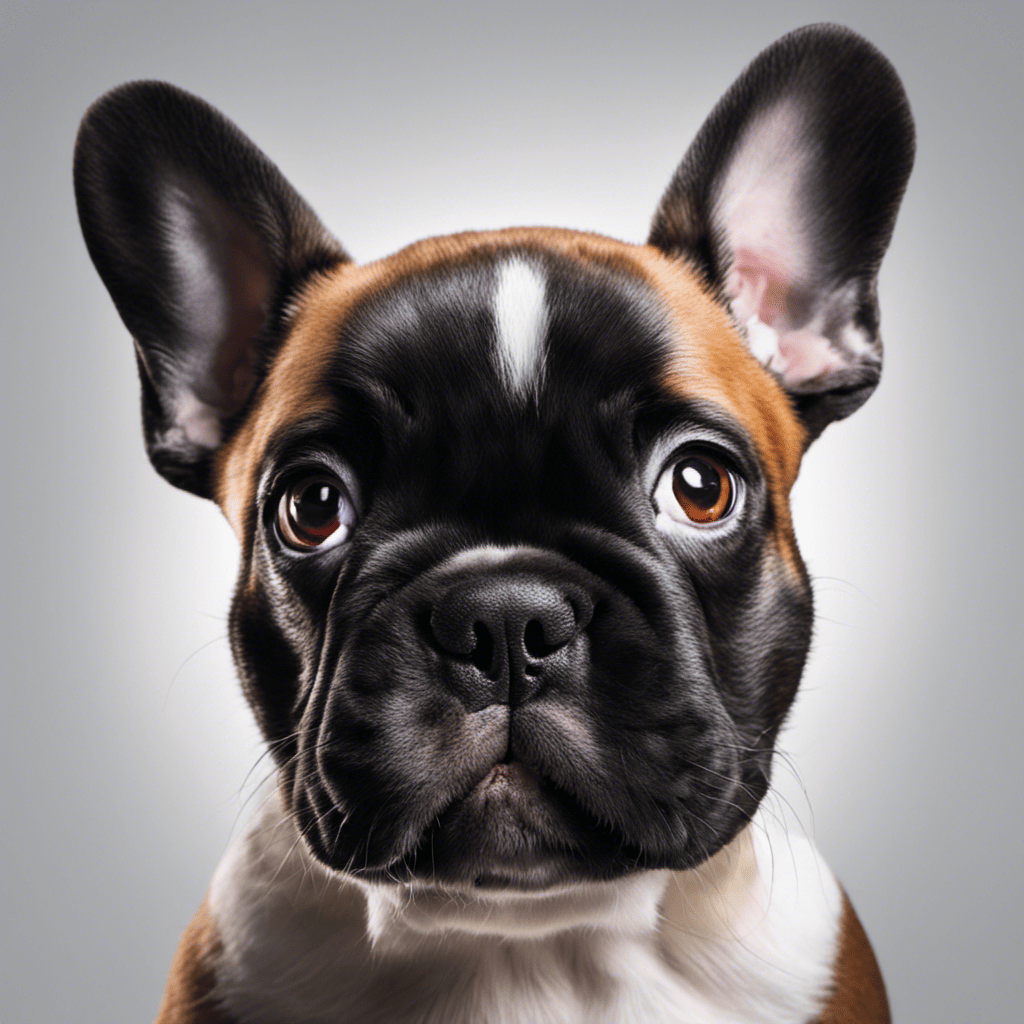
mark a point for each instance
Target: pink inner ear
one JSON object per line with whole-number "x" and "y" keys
{"x": 806, "y": 355}
{"x": 757, "y": 288}
{"x": 765, "y": 230}
{"x": 759, "y": 291}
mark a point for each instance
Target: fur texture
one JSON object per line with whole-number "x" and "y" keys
{"x": 520, "y": 609}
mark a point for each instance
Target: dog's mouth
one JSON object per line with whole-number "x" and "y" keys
{"x": 526, "y": 816}
{"x": 514, "y": 830}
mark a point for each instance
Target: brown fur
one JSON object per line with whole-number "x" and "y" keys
{"x": 189, "y": 997}
{"x": 858, "y": 991}
{"x": 713, "y": 361}
{"x": 718, "y": 367}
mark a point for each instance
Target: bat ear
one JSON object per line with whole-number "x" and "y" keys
{"x": 200, "y": 241}
{"x": 786, "y": 202}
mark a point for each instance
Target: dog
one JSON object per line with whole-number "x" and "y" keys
{"x": 520, "y": 609}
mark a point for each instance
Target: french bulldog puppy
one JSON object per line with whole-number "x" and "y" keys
{"x": 520, "y": 610}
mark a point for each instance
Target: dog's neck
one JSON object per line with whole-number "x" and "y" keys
{"x": 711, "y": 945}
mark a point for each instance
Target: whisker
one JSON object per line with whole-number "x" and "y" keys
{"x": 199, "y": 650}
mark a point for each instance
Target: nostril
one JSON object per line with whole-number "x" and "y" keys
{"x": 533, "y": 640}
{"x": 483, "y": 653}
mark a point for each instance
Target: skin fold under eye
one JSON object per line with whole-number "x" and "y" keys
{"x": 697, "y": 489}
{"x": 314, "y": 513}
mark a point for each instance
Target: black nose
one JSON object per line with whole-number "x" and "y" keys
{"x": 504, "y": 632}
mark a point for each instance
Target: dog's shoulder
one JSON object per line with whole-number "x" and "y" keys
{"x": 760, "y": 929}
{"x": 190, "y": 996}
{"x": 858, "y": 991}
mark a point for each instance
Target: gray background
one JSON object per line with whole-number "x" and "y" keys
{"x": 126, "y": 743}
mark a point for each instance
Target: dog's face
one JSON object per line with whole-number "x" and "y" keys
{"x": 520, "y": 602}
{"x": 503, "y": 507}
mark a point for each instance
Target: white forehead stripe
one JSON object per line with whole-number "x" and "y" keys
{"x": 520, "y": 315}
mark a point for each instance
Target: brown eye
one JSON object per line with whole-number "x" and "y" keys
{"x": 703, "y": 488}
{"x": 315, "y": 512}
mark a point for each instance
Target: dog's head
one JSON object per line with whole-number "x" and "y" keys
{"x": 520, "y": 601}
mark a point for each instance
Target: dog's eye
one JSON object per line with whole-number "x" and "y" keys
{"x": 702, "y": 488}
{"x": 696, "y": 488}
{"x": 315, "y": 512}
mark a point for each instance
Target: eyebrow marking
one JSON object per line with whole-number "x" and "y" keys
{"x": 520, "y": 314}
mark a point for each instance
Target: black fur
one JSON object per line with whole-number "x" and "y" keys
{"x": 642, "y": 712}
{"x": 682, "y": 675}
{"x": 134, "y": 144}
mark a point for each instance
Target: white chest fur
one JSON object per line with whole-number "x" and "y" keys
{"x": 750, "y": 936}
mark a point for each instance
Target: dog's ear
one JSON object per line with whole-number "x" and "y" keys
{"x": 200, "y": 241}
{"x": 786, "y": 202}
